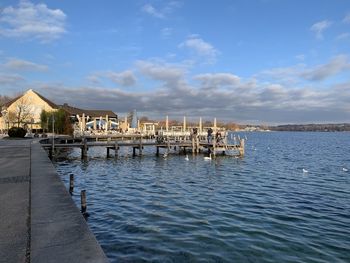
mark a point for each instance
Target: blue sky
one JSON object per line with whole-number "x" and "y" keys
{"x": 258, "y": 61}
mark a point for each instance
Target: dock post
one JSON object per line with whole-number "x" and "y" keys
{"x": 140, "y": 146}
{"x": 197, "y": 143}
{"x": 133, "y": 151}
{"x": 193, "y": 145}
{"x": 116, "y": 149}
{"x": 83, "y": 201}
{"x": 107, "y": 152}
{"x": 168, "y": 143}
{"x": 71, "y": 183}
{"x": 214, "y": 145}
{"x": 157, "y": 152}
{"x": 241, "y": 147}
{"x": 84, "y": 149}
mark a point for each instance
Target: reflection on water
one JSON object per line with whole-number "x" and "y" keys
{"x": 261, "y": 208}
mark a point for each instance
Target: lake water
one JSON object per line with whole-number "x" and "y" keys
{"x": 261, "y": 208}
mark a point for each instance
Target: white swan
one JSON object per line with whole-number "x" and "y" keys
{"x": 206, "y": 158}
{"x": 305, "y": 171}
{"x": 344, "y": 169}
{"x": 186, "y": 158}
{"x": 165, "y": 155}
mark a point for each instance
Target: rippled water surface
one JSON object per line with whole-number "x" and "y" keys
{"x": 262, "y": 208}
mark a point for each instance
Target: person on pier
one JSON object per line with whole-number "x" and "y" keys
{"x": 210, "y": 132}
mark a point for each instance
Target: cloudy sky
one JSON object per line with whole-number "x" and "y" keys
{"x": 257, "y": 61}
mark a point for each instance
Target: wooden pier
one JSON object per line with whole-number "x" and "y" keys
{"x": 182, "y": 144}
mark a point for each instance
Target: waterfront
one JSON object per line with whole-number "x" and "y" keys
{"x": 261, "y": 208}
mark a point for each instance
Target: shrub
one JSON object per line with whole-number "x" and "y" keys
{"x": 17, "y": 132}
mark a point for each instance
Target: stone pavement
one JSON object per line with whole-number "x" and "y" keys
{"x": 38, "y": 220}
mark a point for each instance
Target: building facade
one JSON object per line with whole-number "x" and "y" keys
{"x": 24, "y": 111}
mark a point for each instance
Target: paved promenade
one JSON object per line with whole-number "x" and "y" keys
{"x": 38, "y": 220}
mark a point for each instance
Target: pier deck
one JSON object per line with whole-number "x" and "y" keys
{"x": 39, "y": 221}
{"x": 182, "y": 144}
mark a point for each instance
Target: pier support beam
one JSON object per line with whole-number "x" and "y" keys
{"x": 241, "y": 147}
{"x": 193, "y": 145}
{"x": 83, "y": 201}
{"x": 116, "y": 149}
{"x": 84, "y": 149}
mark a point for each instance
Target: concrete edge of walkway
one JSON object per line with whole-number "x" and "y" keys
{"x": 59, "y": 233}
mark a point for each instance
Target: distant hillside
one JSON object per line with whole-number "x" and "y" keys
{"x": 312, "y": 127}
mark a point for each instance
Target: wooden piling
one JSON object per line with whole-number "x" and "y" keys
{"x": 197, "y": 143}
{"x": 83, "y": 201}
{"x": 193, "y": 145}
{"x": 214, "y": 144}
{"x": 241, "y": 147}
{"x": 84, "y": 149}
{"x": 116, "y": 149}
{"x": 140, "y": 146}
{"x": 107, "y": 152}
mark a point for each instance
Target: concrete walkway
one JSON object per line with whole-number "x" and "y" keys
{"x": 38, "y": 220}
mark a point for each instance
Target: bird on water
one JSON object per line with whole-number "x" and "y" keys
{"x": 206, "y": 158}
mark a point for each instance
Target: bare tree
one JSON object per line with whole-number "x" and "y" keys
{"x": 4, "y": 99}
{"x": 22, "y": 114}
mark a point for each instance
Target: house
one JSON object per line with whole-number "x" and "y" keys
{"x": 25, "y": 110}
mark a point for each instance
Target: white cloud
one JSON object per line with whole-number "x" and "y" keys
{"x": 264, "y": 103}
{"x": 162, "y": 12}
{"x": 200, "y": 47}
{"x": 125, "y": 78}
{"x": 29, "y": 20}
{"x": 300, "y": 57}
{"x": 319, "y": 27}
{"x": 343, "y": 36}
{"x": 10, "y": 79}
{"x": 347, "y": 19}
{"x": 161, "y": 71}
{"x": 149, "y": 9}
{"x": 300, "y": 72}
{"x": 335, "y": 66}
{"x": 217, "y": 80}
{"x": 24, "y": 65}
{"x": 166, "y": 32}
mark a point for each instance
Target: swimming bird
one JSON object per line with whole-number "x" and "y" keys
{"x": 206, "y": 158}
{"x": 165, "y": 155}
{"x": 186, "y": 158}
{"x": 344, "y": 169}
{"x": 305, "y": 171}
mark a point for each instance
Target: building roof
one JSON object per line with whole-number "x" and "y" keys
{"x": 92, "y": 113}
{"x": 52, "y": 105}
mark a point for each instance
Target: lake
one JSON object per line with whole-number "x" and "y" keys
{"x": 260, "y": 208}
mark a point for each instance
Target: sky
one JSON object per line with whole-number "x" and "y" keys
{"x": 256, "y": 61}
